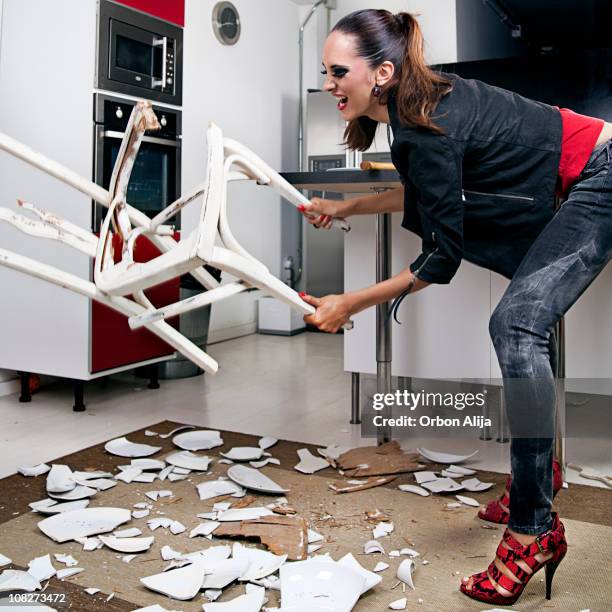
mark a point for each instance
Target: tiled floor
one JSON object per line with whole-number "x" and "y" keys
{"x": 290, "y": 388}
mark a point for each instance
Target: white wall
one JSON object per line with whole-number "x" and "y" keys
{"x": 250, "y": 91}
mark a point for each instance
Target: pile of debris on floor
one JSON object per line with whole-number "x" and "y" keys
{"x": 307, "y": 581}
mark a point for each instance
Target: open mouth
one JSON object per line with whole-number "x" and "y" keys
{"x": 342, "y": 102}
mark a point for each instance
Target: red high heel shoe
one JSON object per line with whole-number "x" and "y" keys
{"x": 496, "y": 511}
{"x": 510, "y": 551}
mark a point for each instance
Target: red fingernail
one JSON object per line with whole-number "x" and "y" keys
{"x": 301, "y": 208}
{"x": 301, "y": 294}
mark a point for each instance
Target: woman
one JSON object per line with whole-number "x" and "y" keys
{"x": 480, "y": 167}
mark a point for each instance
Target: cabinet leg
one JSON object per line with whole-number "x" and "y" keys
{"x": 79, "y": 393}
{"x": 25, "y": 396}
{"x": 355, "y": 399}
{"x": 153, "y": 376}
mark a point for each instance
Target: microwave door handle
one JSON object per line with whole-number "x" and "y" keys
{"x": 161, "y": 83}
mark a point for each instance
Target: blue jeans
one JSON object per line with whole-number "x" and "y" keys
{"x": 563, "y": 261}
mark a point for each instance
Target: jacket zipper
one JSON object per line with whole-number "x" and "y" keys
{"x": 498, "y": 195}
{"x": 433, "y": 237}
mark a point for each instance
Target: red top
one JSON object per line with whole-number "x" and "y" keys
{"x": 580, "y": 134}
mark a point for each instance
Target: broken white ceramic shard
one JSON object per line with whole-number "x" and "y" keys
{"x": 211, "y": 516}
{"x": 67, "y": 560}
{"x": 101, "y": 484}
{"x": 128, "y": 475}
{"x": 213, "y": 594}
{"x": 459, "y": 469}
{"x": 216, "y": 488}
{"x": 198, "y": 440}
{"x": 128, "y": 558}
{"x": 226, "y": 462}
{"x": 405, "y": 571}
{"x": 474, "y": 485}
{"x": 150, "y": 433}
{"x": 264, "y": 462}
{"x": 142, "y": 505}
{"x": 127, "y": 545}
{"x": 91, "y": 475}
{"x": 453, "y": 505}
{"x": 243, "y": 514}
{"x": 89, "y": 544}
{"x": 315, "y": 584}
{"x": 65, "y": 507}
{"x": 220, "y": 573}
{"x": 468, "y": 501}
{"x": 138, "y": 514}
{"x": 312, "y": 548}
{"x": 176, "y": 430}
{"x": 92, "y": 591}
{"x": 204, "y": 529}
{"x": 266, "y": 442}
{"x": 448, "y": 458}
{"x": 69, "y": 571}
{"x": 37, "y": 470}
{"x": 210, "y": 555}
{"x": 314, "y": 537}
{"x": 442, "y": 485}
{"x": 159, "y": 521}
{"x": 18, "y": 580}
{"x": 252, "y": 479}
{"x": 370, "y": 578}
{"x": 381, "y": 566}
{"x": 41, "y": 568}
{"x": 177, "y": 527}
{"x": 394, "y": 553}
{"x": 222, "y": 506}
{"x": 410, "y": 552}
{"x": 373, "y": 547}
{"x": 43, "y": 503}
{"x": 399, "y": 604}
{"x": 187, "y": 459}
{"x": 333, "y": 451}
{"x": 122, "y": 447}
{"x": 165, "y": 472}
{"x": 83, "y": 523}
{"x": 356, "y": 482}
{"x": 244, "y": 453}
{"x": 4, "y": 560}
{"x": 128, "y": 533}
{"x": 148, "y": 464}
{"x": 183, "y": 583}
{"x": 270, "y": 582}
{"x": 60, "y": 479}
{"x": 168, "y": 553}
{"x": 408, "y": 488}
{"x": 309, "y": 464}
{"x": 79, "y": 492}
{"x": 180, "y": 470}
{"x": 260, "y": 563}
{"x": 382, "y": 529}
{"x": 422, "y": 477}
{"x": 146, "y": 477}
{"x": 250, "y": 602}
{"x": 176, "y": 477}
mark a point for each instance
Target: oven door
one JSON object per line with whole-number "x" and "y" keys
{"x": 155, "y": 179}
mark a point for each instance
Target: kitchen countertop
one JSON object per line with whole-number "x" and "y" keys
{"x": 344, "y": 181}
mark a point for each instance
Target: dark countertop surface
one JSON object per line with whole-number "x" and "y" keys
{"x": 344, "y": 181}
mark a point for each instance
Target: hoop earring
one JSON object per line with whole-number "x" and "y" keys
{"x": 376, "y": 91}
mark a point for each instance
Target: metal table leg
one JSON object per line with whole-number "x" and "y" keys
{"x": 383, "y": 332}
{"x": 355, "y": 398}
{"x": 560, "y": 379}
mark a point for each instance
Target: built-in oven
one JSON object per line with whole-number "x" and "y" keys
{"x": 138, "y": 54}
{"x": 156, "y": 176}
{"x": 154, "y": 183}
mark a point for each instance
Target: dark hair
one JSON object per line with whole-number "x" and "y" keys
{"x": 382, "y": 36}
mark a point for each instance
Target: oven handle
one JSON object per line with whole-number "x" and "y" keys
{"x": 164, "y": 43}
{"x": 151, "y": 139}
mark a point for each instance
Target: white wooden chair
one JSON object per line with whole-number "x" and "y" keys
{"x": 121, "y": 284}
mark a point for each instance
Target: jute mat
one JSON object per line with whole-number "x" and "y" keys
{"x": 452, "y": 541}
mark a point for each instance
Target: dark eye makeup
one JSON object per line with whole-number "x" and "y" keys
{"x": 337, "y": 71}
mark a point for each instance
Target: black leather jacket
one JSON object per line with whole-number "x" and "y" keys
{"x": 485, "y": 189}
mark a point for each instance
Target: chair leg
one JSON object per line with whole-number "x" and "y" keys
{"x": 25, "y": 396}
{"x": 79, "y": 396}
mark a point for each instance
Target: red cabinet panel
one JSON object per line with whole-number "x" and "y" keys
{"x": 113, "y": 343}
{"x": 170, "y": 10}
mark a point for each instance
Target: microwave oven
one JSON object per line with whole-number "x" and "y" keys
{"x": 138, "y": 54}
